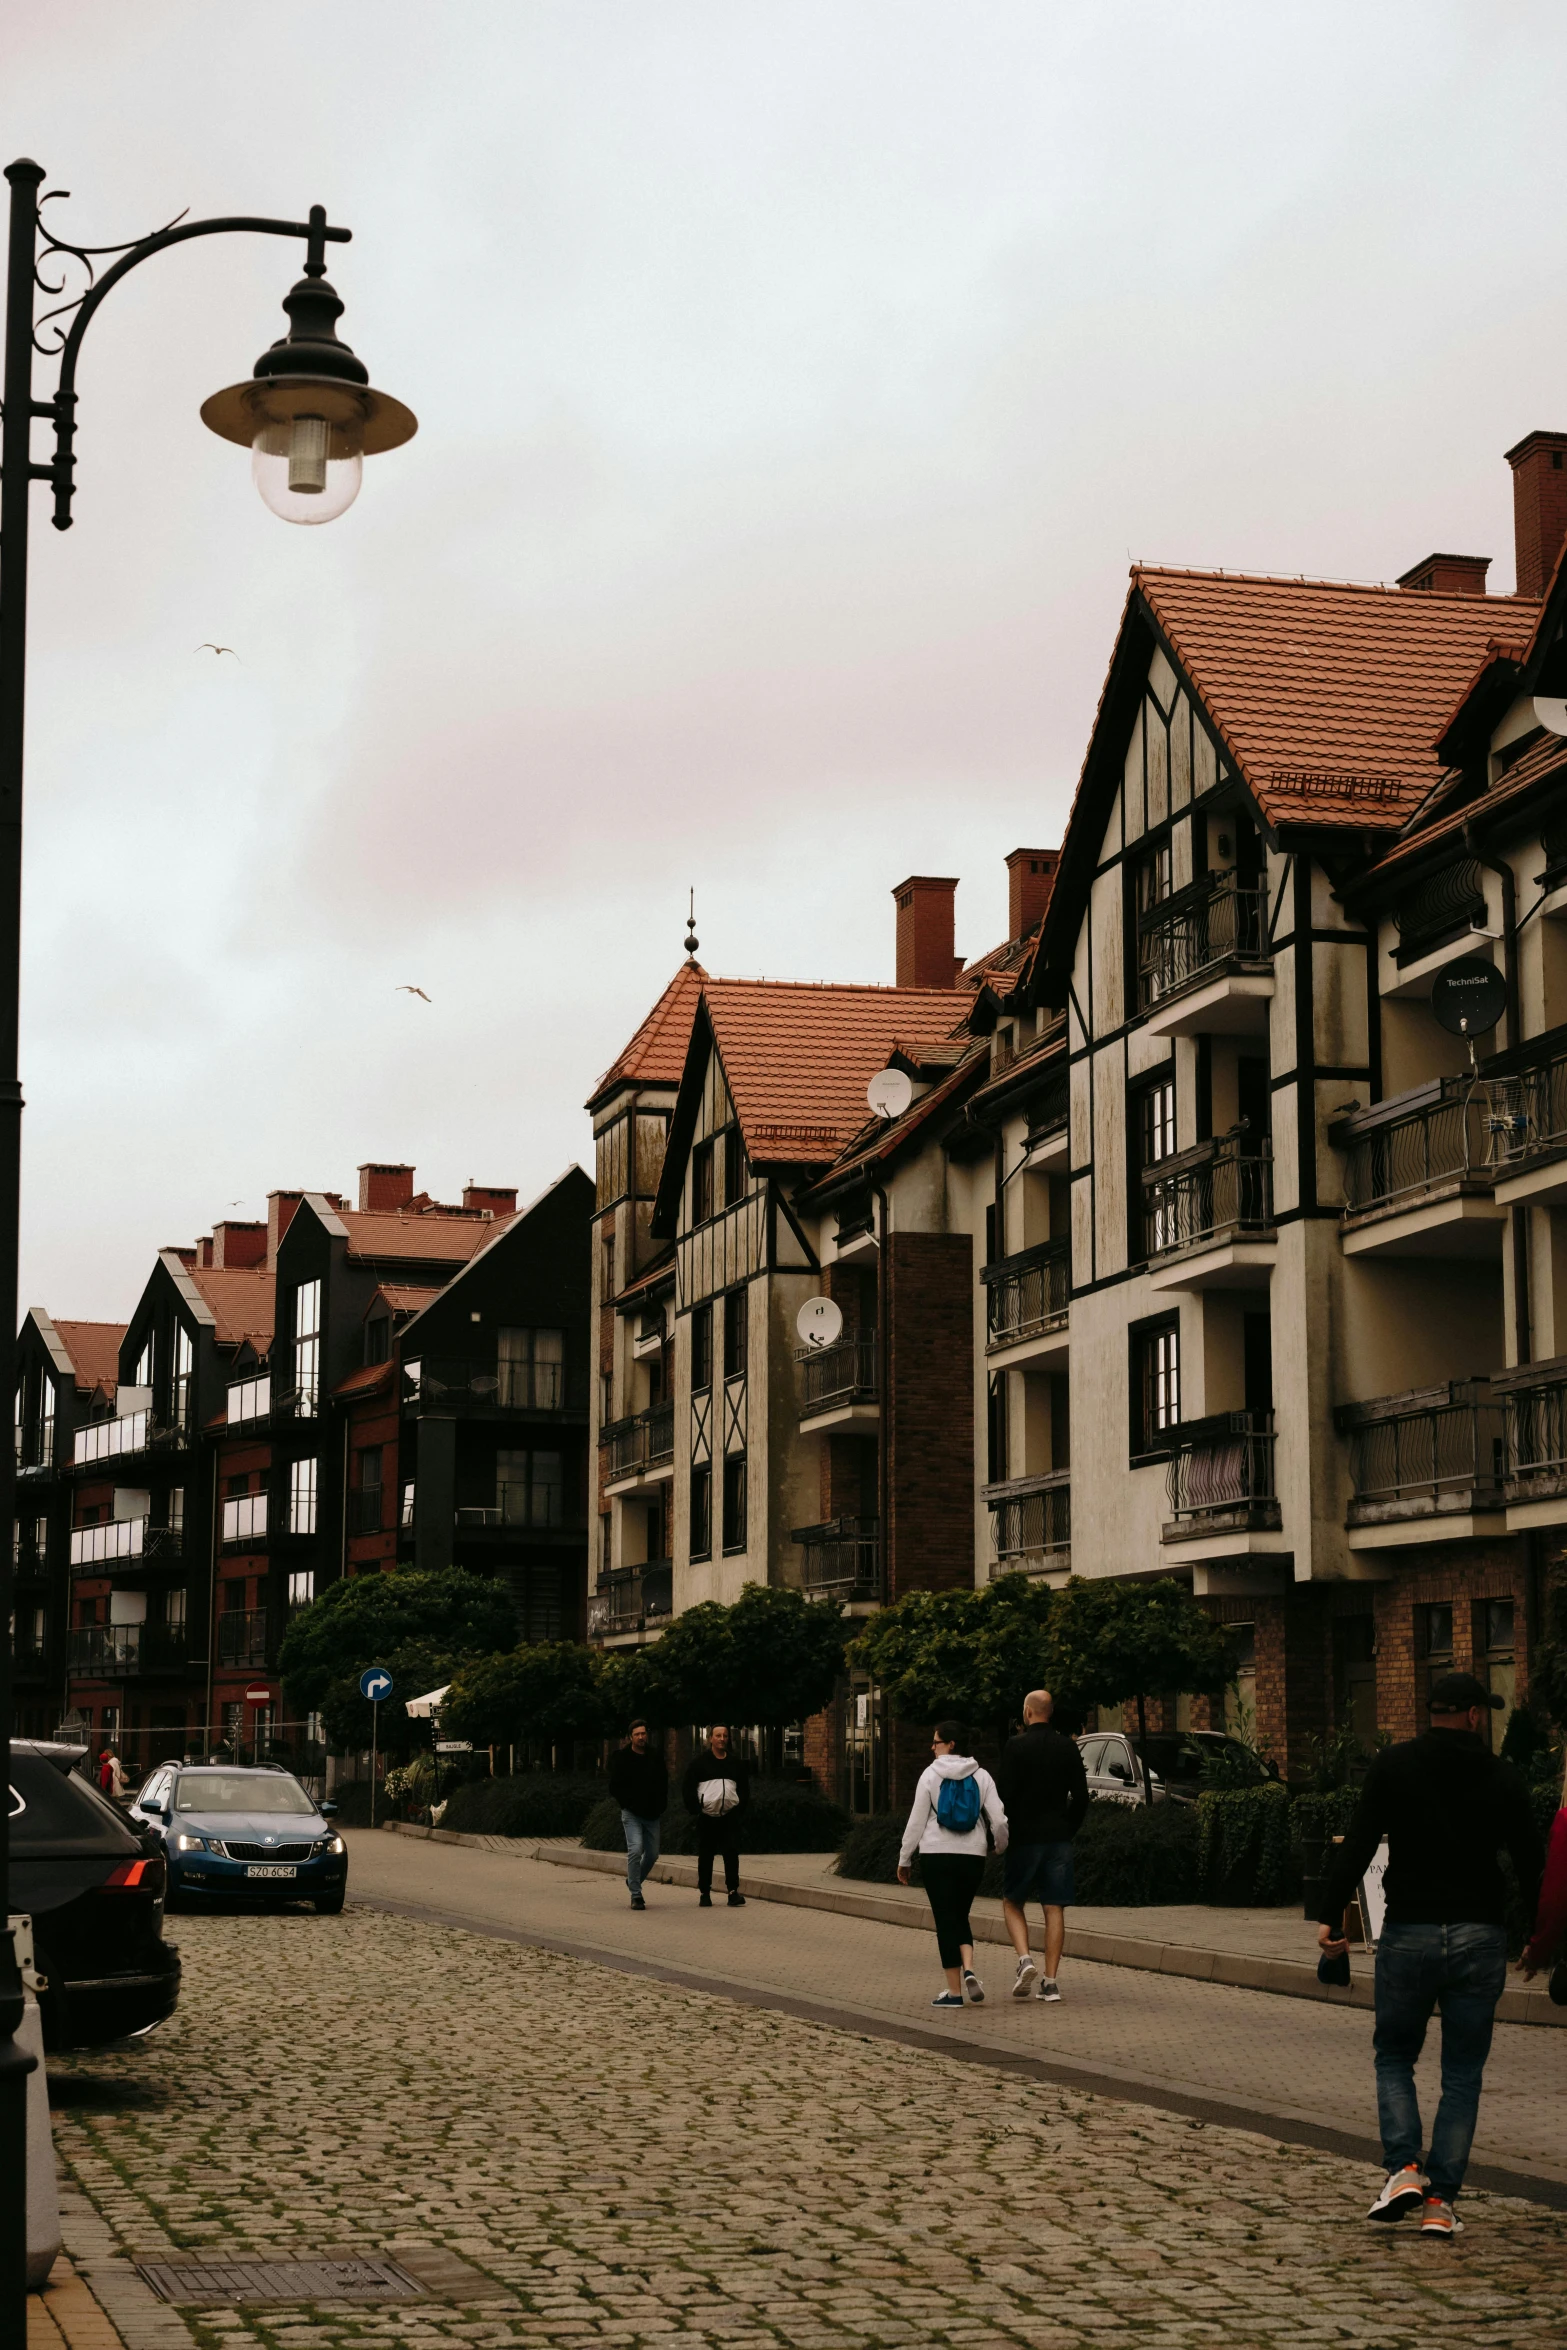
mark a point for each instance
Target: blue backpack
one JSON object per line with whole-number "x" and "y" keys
{"x": 959, "y": 1805}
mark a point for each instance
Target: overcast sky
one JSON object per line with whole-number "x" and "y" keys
{"x": 795, "y": 382}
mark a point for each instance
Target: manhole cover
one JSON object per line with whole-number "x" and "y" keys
{"x": 309, "y": 2279}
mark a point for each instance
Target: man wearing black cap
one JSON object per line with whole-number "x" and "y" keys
{"x": 1446, "y": 1805}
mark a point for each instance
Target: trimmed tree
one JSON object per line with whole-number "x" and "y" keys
{"x": 971, "y": 1653}
{"x": 770, "y": 1659}
{"x": 420, "y": 1626}
{"x": 545, "y": 1694}
{"x": 1111, "y": 1642}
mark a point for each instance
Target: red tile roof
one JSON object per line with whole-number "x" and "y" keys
{"x": 879, "y": 1139}
{"x": 656, "y": 1054}
{"x": 94, "y": 1349}
{"x": 366, "y": 1378}
{"x": 432, "y": 1240}
{"x": 799, "y": 1057}
{"x": 1538, "y": 764}
{"x": 404, "y": 1297}
{"x": 241, "y": 1302}
{"x": 1328, "y": 696}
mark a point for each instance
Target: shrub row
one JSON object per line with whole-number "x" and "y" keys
{"x": 1125, "y": 1855}
{"x": 784, "y": 1817}
{"x": 533, "y": 1803}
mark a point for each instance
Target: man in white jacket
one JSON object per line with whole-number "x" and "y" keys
{"x": 956, "y": 1816}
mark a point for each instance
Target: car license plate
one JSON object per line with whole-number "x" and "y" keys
{"x": 269, "y": 1871}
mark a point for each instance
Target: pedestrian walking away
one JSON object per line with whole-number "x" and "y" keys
{"x": 1446, "y": 1805}
{"x": 1549, "y": 1939}
{"x": 717, "y": 1791}
{"x": 1044, "y": 1789}
{"x": 111, "y": 1774}
{"x": 639, "y": 1782}
{"x": 955, "y": 1815}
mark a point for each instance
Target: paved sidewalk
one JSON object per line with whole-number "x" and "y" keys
{"x": 625, "y": 2162}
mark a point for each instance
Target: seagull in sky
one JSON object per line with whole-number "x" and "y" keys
{"x": 418, "y": 991}
{"x": 211, "y": 648}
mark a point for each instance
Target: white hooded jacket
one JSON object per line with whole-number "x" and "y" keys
{"x": 925, "y": 1833}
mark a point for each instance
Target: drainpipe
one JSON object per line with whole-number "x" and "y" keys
{"x": 212, "y": 1605}
{"x": 1518, "y": 1217}
{"x": 884, "y": 1434}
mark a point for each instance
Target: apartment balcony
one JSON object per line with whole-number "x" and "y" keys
{"x": 1208, "y": 1215}
{"x": 1204, "y": 966}
{"x": 476, "y": 1388}
{"x": 632, "y": 1599}
{"x": 1028, "y": 1301}
{"x": 840, "y": 1385}
{"x": 1419, "y": 1172}
{"x": 242, "y": 1636}
{"x": 249, "y": 1402}
{"x": 1220, "y": 1483}
{"x": 132, "y": 1433}
{"x": 1529, "y": 1128}
{"x": 652, "y": 1335}
{"x": 244, "y": 1522}
{"x": 842, "y": 1558}
{"x": 641, "y": 1450}
{"x": 114, "y": 1651}
{"x": 1047, "y": 1144}
{"x": 1534, "y": 1406}
{"x": 518, "y": 1509}
{"x": 1427, "y": 1465}
{"x": 1031, "y": 1524}
{"x": 1436, "y": 921}
{"x": 120, "y": 1543}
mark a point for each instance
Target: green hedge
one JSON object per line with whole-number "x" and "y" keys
{"x": 1245, "y": 1850}
{"x": 533, "y": 1803}
{"x": 1125, "y": 1856}
{"x": 784, "y": 1817}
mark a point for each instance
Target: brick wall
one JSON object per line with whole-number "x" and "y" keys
{"x": 928, "y": 1540}
{"x": 1461, "y": 1574}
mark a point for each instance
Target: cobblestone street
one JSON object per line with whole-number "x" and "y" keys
{"x": 623, "y": 2160}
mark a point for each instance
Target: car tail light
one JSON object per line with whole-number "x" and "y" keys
{"x": 136, "y": 1876}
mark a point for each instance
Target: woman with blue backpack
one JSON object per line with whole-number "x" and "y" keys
{"x": 956, "y": 1817}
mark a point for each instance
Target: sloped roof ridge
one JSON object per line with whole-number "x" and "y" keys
{"x": 1316, "y": 579}
{"x": 649, "y": 1040}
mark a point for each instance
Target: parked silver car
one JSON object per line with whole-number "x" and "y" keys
{"x": 1175, "y": 1760}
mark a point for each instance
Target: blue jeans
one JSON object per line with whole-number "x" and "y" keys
{"x": 641, "y": 1849}
{"x": 1461, "y": 1970}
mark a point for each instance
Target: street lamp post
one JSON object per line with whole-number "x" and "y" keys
{"x": 309, "y": 416}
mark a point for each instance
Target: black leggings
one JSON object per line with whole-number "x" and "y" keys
{"x": 712, "y": 1838}
{"x": 951, "y": 1880}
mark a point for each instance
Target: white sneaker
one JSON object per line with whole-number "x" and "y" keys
{"x": 1023, "y": 1985}
{"x": 1401, "y": 2192}
{"x": 974, "y": 1989}
{"x": 1050, "y": 1988}
{"x": 1441, "y": 2223}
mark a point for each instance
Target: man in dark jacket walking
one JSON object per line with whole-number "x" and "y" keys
{"x": 717, "y": 1790}
{"x": 1044, "y": 1789}
{"x": 1446, "y": 1805}
{"x": 639, "y": 1782}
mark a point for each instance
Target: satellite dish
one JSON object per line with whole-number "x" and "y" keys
{"x": 1551, "y": 713}
{"x": 889, "y": 1093}
{"x": 819, "y": 1322}
{"x": 1469, "y": 997}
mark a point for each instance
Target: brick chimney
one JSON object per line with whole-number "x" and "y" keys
{"x": 384, "y": 1189}
{"x": 280, "y": 1214}
{"x": 1448, "y": 575}
{"x": 496, "y": 1199}
{"x": 1031, "y": 876}
{"x": 1539, "y": 464}
{"x": 237, "y": 1246}
{"x": 925, "y": 931}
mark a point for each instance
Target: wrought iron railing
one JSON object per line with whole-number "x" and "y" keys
{"x": 1192, "y": 935}
{"x": 1028, "y": 1294}
{"x": 645, "y": 1441}
{"x": 1031, "y": 1523}
{"x": 1528, "y": 1113}
{"x": 242, "y": 1636}
{"x": 1446, "y": 1139}
{"x": 832, "y": 1376}
{"x": 1217, "y": 1189}
{"x": 1453, "y": 899}
{"x": 1220, "y": 1475}
{"x": 843, "y": 1555}
{"x": 630, "y": 1599}
{"x": 126, "y": 1648}
{"x": 1534, "y": 1402}
{"x": 117, "y": 1541}
{"x": 1425, "y": 1452}
{"x": 458, "y": 1385}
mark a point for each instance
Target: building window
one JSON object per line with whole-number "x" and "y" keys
{"x": 531, "y": 1367}
{"x": 530, "y": 1488}
{"x": 1151, "y": 1126}
{"x": 1433, "y": 1648}
{"x": 307, "y": 1347}
{"x": 21, "y": 1422}
{"x": 301, "y": 1586}
{"x": 734, "y": 1502}
{"x": 735, "y": 1322}
{"x": 174, "y": 1610}
{"x": 406, "y": 1517}
{"x": 143, "y": 1372}
{"x": 176, "y": 1509}
{"x": 302, "y": 1497}
{"x": 378, "y": 1339}
{"x": 46, "y": 1423}
{"x": 182, "y": 1378}
{"x": 701, "y": 1182}
{"x": 1153, "y": 876}
{"x": 737, "y": 1174}
{"x": 702, "y": 1511}
{"x": 701, "y": 1349}
{"x": 1494, "y": 1660}
{"x": 1156, "y": 1385}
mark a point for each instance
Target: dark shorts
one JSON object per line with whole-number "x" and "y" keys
{"x": 1038, "y": 1872}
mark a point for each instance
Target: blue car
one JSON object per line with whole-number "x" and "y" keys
{"x": 243, "y": 1836}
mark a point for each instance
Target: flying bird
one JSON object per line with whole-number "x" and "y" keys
{"x": 418, "y": 991}
{"x": 211, "y": 648}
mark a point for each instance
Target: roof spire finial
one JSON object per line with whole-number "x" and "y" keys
{"x": 692, "y": 941}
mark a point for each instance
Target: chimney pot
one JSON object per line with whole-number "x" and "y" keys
{"x": 492, "y": 1199}
{"x": 384, "y": 1188}
{"x": 236, "y": 1247}
{"x": 1539, "y": 464}
{"x": 925, "y": 931}
{"x": 1031, "y": 876}
{"x": 1447, "y": 575}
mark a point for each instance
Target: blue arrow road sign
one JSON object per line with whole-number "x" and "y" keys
{"x": 375, "y": 1682}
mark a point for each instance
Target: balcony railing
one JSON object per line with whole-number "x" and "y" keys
{"x": 245, "y": 1518}
{"x": 842, "y": 1556}
{"x": 1425, "y": 1453}
{"x": 1031, "y": 1523}
{"x": 1444, "y": 1140}
{"x": 645, "y": 1441}
{"x": 1218, "y": 1190}
{"x": 1534, "y": 1401}
{"x": 249, "y": 1399}
{"x": 630, "y": 1599}
{"x": 1445, "y": 903}
{"x": 107, "y": 1440}
{"x": 123, "y": 1541}
{"x": 1528, "y": 1114}
{"x": 1191, "y": 936}
{"x": 442, "y": 1384}
{"x": 112, "y": 1649}
{"x": 535, "y": 1508}
{"x": 833, "y": 1376}
{"x": 1028, "y": 1294}
{"x": 242, "y": 1636}
{"x": 1220, "y": 1478}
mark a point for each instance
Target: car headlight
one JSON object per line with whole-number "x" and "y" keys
{"x": 334, "y": 1844}
{"x": 184, "y": 1843}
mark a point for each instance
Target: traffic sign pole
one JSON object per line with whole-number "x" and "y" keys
{"x": 375, "y": 1683}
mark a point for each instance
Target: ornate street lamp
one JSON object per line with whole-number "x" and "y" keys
{"x": 310, "y": 418}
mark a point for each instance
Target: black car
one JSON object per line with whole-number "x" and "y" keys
{"x": 1175, "y": 1760}
{"x": 93, "y": 1887}
{"x": 243, "y": 1836}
